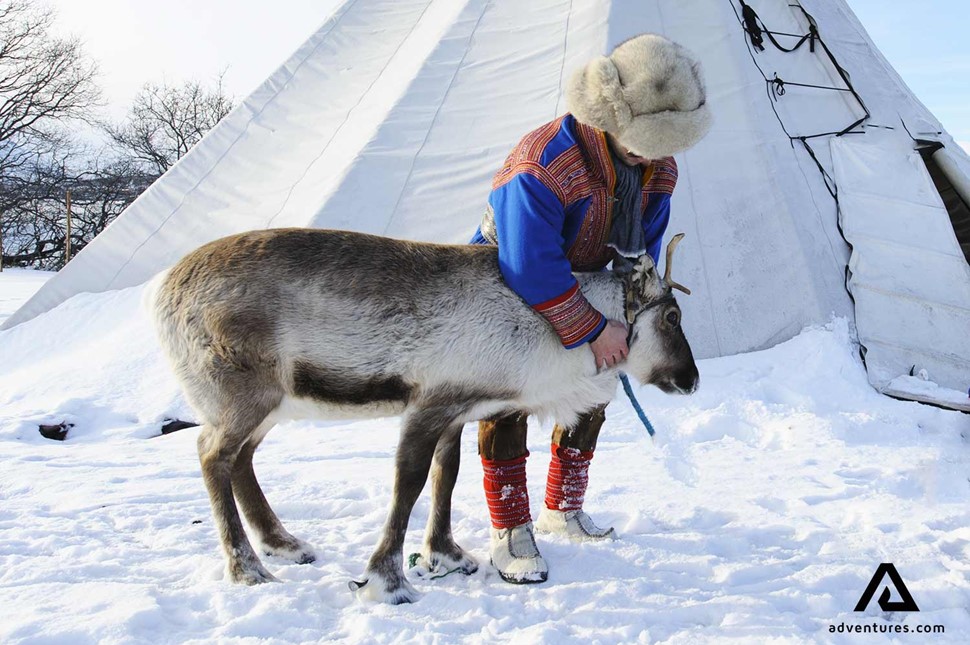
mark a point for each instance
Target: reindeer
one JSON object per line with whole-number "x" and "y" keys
{"x": 272, "y": 325}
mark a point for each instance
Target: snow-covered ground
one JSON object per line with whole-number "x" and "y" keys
{"x": 16, "y": 286}
{"x": 759, "y": 514}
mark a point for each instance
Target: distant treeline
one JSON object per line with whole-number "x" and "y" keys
{"x": 48, "y": 92}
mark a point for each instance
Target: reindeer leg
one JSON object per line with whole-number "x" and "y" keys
{"x": 421, "y": 428}
{"x": 275, "y": 539}
{"x": 240, "y": 405}
{"x": 440, "y": 553}
{"x": 218, "y": 450}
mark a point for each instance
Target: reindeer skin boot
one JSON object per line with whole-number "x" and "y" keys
{"x": 575, "y": 525}
{"x": 513, "y": 549}
{"x": 572, "y": 451}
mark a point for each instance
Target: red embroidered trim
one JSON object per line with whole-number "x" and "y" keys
{"x": 568, "y": 479}
{"x": 529, "y": 150}
{"x": 506, "y": 492}
{"x": 571, "y": 315}
{"x": 536, "y": 170}
{"x": 589, "y": 251}
{"x": 662, "y": 177}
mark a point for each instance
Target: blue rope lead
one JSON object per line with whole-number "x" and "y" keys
{"x": 636, "y": 405}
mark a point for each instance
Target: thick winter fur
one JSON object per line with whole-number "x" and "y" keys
{"x": 272, "y": 325}
{"x": 649, "y": 93}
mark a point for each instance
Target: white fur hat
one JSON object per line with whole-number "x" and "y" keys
{"x": 648, "y": 93}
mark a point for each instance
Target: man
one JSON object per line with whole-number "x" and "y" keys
{"x": 589, "y": 188}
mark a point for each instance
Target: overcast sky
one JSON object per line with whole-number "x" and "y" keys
{"x": 136, "y": 41}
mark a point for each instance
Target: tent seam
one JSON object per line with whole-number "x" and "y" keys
{"x": 346, "y": 118}
{"x": 562, "y": 66}
{"x": 437, "y": 112}
{"x": 685, "y": 169}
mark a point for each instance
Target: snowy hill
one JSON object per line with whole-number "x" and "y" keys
{"x": 16, "y": 286}
{"x": 761, "y": 512}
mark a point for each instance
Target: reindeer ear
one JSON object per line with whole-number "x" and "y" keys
{"x": 644, "y": 274}
{"x": 639, "y": 277}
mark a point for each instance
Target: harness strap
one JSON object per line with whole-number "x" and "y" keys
{"x": 632, "y": 314}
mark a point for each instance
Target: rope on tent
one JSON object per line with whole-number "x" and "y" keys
{"x": 756, "y": 29}
{"x": 752, "y": 24}
{"x": 779, "y": 86}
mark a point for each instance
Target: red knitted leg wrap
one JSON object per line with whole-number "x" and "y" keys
{"x": 568, "y": 478}
{"x": 506, "y": 492}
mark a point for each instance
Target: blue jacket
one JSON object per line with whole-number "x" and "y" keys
{"x": 550, "y": 212}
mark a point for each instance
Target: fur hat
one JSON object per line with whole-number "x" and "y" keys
{"x": 648, "y": 94}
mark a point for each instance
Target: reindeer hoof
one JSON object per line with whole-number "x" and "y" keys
{"x": 306, "y": 558}
{"x": 376, "y": 589}
{"x": 251, "y": 575}
{"x": 436, "y": 564}
{"x": 292, "y": 549}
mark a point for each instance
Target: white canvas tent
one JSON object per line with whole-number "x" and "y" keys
{"x": 394, "y": 115}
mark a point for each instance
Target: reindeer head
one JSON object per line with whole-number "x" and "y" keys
{"x": 659, "y": 352}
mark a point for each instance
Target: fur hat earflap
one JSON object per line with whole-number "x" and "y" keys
{"x": 648, "y": 93}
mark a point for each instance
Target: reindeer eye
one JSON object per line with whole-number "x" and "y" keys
{"x": 673, "y": 318}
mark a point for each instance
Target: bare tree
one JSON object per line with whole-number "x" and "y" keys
{"x": 32, "y": 227}
{"x": 44, "y": 81}
{"x": 35, "y": 234}
{"x": 165, "y": 122}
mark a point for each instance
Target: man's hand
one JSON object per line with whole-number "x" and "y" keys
{"x": 610, "y": 348}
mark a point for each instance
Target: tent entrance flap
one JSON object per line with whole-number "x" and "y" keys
{"x": 907, "y": 273}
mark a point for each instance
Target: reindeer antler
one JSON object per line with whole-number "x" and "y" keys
{"x": 670, "y": 257}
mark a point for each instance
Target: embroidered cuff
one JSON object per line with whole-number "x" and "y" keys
{"x": 573, "y": 318}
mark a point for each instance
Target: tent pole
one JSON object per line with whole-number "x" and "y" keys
{"x": 67, "y": 238}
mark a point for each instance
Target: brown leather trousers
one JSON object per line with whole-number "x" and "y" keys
{"x": 503, "y": 438}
